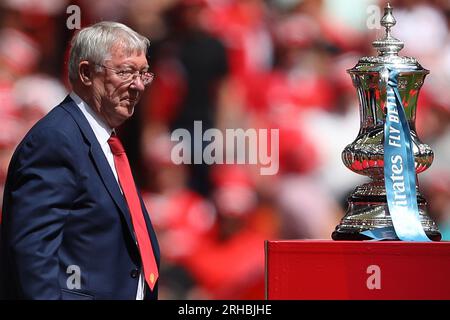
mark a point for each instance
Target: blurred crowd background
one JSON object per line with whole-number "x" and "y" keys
{"x": 236, "y": 64}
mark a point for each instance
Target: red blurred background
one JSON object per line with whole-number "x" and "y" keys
{"x": 235, "y": 64}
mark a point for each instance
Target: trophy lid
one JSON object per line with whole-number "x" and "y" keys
{"x": 388, "y": 48}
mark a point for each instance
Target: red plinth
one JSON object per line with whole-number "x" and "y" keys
{"x": 322, "y": 270}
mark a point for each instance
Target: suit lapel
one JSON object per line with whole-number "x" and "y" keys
{"x": 100, "y": 161}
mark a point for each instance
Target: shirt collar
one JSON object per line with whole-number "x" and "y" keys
{"x": 101, "y": 130}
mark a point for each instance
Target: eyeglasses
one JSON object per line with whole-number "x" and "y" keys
{"x": 129, "y": 74}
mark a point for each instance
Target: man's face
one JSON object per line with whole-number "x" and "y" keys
{"x": 114, "y": 97}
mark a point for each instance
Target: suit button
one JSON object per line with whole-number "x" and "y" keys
{"x": 134, "y": 273}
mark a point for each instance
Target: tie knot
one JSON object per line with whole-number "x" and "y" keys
{"x": 115, "y": 145}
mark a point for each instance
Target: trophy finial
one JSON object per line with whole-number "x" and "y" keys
{"x": 388, "y": 45}
{"x": 388, "y": 20}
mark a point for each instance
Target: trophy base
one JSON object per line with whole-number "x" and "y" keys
{"x": 370, "y": 212}
{"x": 352, "y": 235}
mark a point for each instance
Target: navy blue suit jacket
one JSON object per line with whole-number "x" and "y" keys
{"x": 66, "y": 231}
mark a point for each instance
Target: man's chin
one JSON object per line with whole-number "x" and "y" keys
{"x": 127, "y": 113}
{"x": 127, "y": 107}
{"x": 129, "y": 104}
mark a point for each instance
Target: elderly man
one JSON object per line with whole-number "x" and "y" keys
{"x": 74, "y": 225}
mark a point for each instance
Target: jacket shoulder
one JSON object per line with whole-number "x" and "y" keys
{"x": 55, "y": 123}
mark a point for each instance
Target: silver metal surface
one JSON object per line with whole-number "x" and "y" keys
{"x": 367, "y": 205}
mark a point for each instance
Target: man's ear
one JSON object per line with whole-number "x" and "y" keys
{"x": 85, "y": 73}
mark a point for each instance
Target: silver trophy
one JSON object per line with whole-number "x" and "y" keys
{"x": 367, "y": 205}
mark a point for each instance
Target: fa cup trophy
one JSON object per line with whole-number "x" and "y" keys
{"x": 387, "y": 148}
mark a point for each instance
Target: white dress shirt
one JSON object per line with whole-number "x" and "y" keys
{"x": 102, "y": 132}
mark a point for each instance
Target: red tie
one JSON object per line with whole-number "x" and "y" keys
{"x": 129, "y": 190}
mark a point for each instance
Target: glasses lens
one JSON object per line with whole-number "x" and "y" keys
{"x": 147, "y": 77}
{"x": 126, "y": 75}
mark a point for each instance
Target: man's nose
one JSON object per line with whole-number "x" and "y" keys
{"x": 138, "y": 84}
